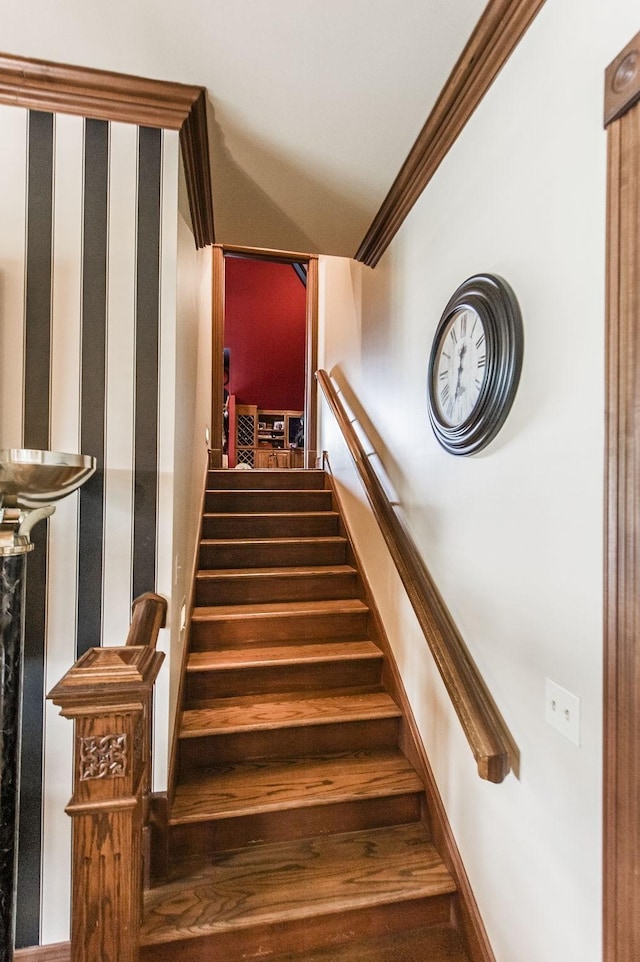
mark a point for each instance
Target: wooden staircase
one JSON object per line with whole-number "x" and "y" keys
{"x": 298, "y": 828}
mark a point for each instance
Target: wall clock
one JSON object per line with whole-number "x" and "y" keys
{"x": 475, "y": 364}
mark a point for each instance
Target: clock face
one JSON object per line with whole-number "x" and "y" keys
{"x": 461, "y": 366}
{"x": 474, "y": 365}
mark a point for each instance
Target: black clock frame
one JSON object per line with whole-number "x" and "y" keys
{"x": 496, "y": 304}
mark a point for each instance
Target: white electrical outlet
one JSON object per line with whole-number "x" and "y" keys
{"x": 562, "y": 710}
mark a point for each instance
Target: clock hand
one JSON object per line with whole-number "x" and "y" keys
{"x": 463, "y": 351}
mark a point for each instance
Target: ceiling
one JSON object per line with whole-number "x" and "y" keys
{"x": 313, "y": 104}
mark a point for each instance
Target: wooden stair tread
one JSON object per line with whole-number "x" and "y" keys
{"x": 434, "y": 943}
{"x": 279, "y": 882}
{"x": 254, "y": 713}
{"x": 265, "y": 785}
{"x": 283, "y": 609}
{"x": 274, "y": 655}
{"x": 297, "y": 571}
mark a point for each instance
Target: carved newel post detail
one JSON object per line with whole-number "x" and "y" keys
{"x": 108, "y": 695}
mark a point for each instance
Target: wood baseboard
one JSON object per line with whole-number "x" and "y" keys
{"x": 158, "y": 839}
{"x": 60, "y": 952}
{"x": 469, "y": 918}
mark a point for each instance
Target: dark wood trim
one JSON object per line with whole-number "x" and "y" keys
{"x": 497, "y": 33}
{"x": 622, "y": 534}
{"x": 104, "y": 95}
{"x": 622, "y": 81}
{"x": 217, "y": 351}
{"x": 194, "y": 141}
{"x": 475, "y": 935}
{"x": 60, "y": 952}
{"x": 68, "y": 89}
{"x": 252, "y": 253}
{"x": 489, "y": 739}
{"x": 311, "y": 365}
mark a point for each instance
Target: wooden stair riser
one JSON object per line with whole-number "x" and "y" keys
{"x": 289, "y": 585}
{"x": 206, "y": 750}
{"x": 220, "y": 834}
{"x": 220, "y": 632}
{"x": 286, "y": 479}
{"x": 301, "y": 524}
{"x": 261, "y": 502}
{"x": 435, "y": 943}
{"x": 272, "y": 554}
{"x": 206, "y": 685}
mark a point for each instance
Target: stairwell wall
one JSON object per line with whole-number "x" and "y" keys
{"x": 192, "y": 419}
{"x": 513, "y": 535}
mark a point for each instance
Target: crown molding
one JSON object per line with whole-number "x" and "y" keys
{"x": 62, "y": 88}
{"x": 497, "y": 33}
{"x": 104, "y": 95}
{"x": 194, "y": 141}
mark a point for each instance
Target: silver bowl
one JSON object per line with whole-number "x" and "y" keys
{"x": 31, "y": 478}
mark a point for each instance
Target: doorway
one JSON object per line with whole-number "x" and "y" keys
{"x": 264, "y": 398}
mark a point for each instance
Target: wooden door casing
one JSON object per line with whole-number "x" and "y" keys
{"x": 621, "y": 877}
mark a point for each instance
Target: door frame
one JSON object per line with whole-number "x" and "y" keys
{"x": 621, "y": 783}
{"x": 217, "y": 343}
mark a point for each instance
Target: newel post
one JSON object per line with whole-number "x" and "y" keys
{"x": 107, "y": 694}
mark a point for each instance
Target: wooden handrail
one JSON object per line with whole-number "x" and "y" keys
{"x": 486, "y": 732}
{"x": 148, "y": 616}
{"x": 108, "y": 695}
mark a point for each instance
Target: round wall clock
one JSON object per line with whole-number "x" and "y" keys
{"x": 475, "y": 364}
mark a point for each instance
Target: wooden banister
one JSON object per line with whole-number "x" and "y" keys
{"x": 486, "y": 732}
{"x": 148, "y": 616}
{"x": 108, "y": 695}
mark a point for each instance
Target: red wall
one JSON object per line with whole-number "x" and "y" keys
{"x": 265, "y": 306}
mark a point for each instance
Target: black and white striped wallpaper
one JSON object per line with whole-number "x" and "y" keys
{"x": 87, "y": 304}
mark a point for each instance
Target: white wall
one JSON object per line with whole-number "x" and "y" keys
{"x": 192, "y": 417}
{"x": 513, "y": 536}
